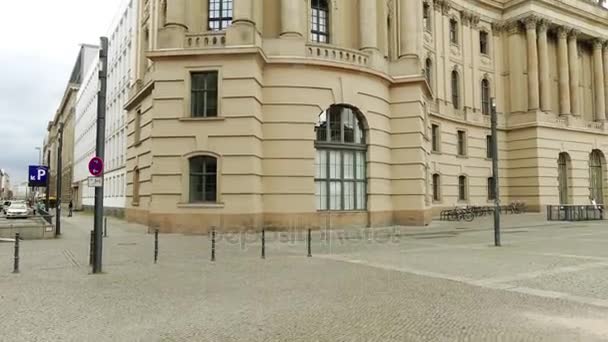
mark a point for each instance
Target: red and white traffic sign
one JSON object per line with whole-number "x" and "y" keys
{"x": 96, "y": 166}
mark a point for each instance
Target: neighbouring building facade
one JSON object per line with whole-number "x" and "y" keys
{"x": 5, "y": 185}
{"x": 253, "y": 113}
{"x": 62, "y": 127}
{"x": 120, "y": 78}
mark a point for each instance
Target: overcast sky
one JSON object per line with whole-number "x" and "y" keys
{"x": 39, "y": 42}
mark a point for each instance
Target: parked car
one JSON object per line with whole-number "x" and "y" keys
{"x": 17, "y": 210}
{"x": 4, "y": 206}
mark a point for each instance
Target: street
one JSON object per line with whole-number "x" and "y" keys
{"x": 446, "y": 283}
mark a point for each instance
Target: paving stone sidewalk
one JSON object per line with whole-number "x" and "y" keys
{"x": 442, "y": 283}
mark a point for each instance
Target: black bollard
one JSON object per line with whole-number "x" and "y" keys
{"x": 213, "y": 244}
{"x": 91, "y": 247}
{"x": 156, "y": 246}
{"x": 263, "y": 244}
{"x": 16, "y": 264}
{"x": 105, "y": 227}
{"x": 309, "y": 243}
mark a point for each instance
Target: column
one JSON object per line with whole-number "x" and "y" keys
{"x": 515, "y": 50}
{"x": 291, "y": 18}
{"x": 543, "y": 67}
{"x": 530, "y": 23}
{"x": 410, "y": 13}
{"x": 562, "y": 66}
{"x": 243, "y": 12}
{"x": 573, "y": 59}
{"x": 176, "y": 14}
{"x": 467, "y": 56}
{"x": 440, "y": 60}
{"x": 368, "y": 25}
{"x": 598, "y": 68}
{"x": 605, "y": 55}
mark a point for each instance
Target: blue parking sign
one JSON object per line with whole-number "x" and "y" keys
{"x": 38, "y": 175}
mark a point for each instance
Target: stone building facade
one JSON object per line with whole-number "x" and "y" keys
{"x": 62, "y": 126}
{"x": 251, "y": 113}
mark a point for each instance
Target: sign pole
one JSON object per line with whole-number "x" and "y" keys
{"x": 58, "y": 173}
{"x": 495, "y": 175}
{"x": 48, "y": 191}
{"x": 100, "y": 151}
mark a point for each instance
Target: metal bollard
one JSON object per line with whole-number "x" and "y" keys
{"x": 156, "y": 246}
{"x": 91, "y": 247}
{"x": 263, "y": 244}
{"x": 16, "y": 262}
{"x": 213, "y": 244}
{"x": 105, "y": 227}
{"x": 309, "y": 243}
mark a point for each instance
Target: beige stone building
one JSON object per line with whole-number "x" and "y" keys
{"x": 361, "y": 112}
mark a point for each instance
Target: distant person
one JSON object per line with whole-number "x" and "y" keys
{"x": 70, "y": 207}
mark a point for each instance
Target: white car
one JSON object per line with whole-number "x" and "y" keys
{"x": 17, "y": 210}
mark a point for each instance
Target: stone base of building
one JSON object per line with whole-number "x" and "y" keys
{"x": 204, "y": 223}
{"x": 114, "y": 212}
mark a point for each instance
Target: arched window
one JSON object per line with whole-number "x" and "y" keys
{"x": 428, "y": 71}
{"x": 340, "y": 160}
{"x": 455, "y": 89}
{"x": 220, "y": 14}
{"x": 462, "y": 188}
{"x": 319, "y": 21}
{"x": 596, "y": 176}
{"x": 485, "y": 96}
{"x": 436, "y": 187}
{"x": 563, "y": 166}
{"x": 203, "y": 179}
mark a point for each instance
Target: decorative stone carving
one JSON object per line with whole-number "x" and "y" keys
{"x": 513, "y": 27}
{"x": 498, "y": 27}
{"x": 562, "y": 31}
{"x": 531, "y": 22}
{"x": 543, "y": 25}
{"x": 574, "y": 34}
{"x": 598, "y": 43}
{"x": 446, "y": 6}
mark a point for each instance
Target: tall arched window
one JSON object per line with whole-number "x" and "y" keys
{"x": 220, "y": 14}
{"x": 428, "y": 71}
{"x": 562, "y": 177}
{"x": 596, "y": 176}
{"x": 436, "y": 187}
{"x": 455, "y": 89}
{"x": 319, "y": 21}
{"x": 340, "y": 160}
{"x": 485, "y": 96}
{"x": 462, "y": 188}
{"x": 203, "y": 179}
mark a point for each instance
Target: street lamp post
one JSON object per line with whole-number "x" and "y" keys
{"x": 495, "y": 174}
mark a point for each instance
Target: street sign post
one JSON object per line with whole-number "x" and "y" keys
{"x": 37, "y": 176}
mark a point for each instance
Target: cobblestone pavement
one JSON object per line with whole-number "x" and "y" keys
{"x": 443, "y": 283}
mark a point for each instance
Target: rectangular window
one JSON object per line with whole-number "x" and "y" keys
{"x": 136, "y": 187}
{"x": 436, "y": 187}
{"x": 204, "y": 94}
{"x": 453, "y": 31}
{"x": 137, "y": 128}
{"x": 489, "y": 151}
{"x": 491, "y": 192}
{"x": 462, "y": 143}
{"x": 483, "y": 42}
{"x": 462, "y": 188}
{"x": 319, "y": 21}
{"x": 220, "y": 14}
{"x": 340, "y": 180}
{"x": 426, "y": 14}
{"x": 435, "y": 137}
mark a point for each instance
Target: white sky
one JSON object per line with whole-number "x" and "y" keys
{"x": 39, "y": 42}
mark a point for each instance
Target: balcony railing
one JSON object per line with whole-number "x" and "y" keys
{"x": 337, "y": 54}
{"x": 205, "y": 40}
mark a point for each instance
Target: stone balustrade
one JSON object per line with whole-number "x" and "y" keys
{"x": 336, "y": 54}
{"x": 205, "y": 40}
